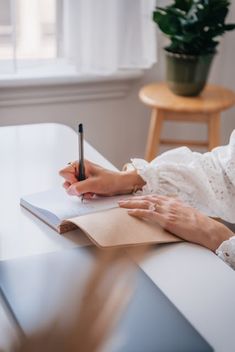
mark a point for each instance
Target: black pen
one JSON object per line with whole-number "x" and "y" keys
{"x": 81, "y": 169}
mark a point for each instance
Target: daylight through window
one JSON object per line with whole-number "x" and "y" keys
{"x": 28, "y": 29}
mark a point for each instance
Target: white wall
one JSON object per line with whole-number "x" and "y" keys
{"x": 222, "y": 73}
{"x": 118, "y": 127}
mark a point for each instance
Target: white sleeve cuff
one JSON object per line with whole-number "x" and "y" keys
{"x": 148, "y": 173}
{"x": 158, "y": 178}
{"x": 226, "y": 251}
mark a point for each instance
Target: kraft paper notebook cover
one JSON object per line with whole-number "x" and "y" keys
{"x": 100, "y": 219}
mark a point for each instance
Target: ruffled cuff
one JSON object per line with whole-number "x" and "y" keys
{"x": 148, "y": 173}
{"x": 226, "y": 251}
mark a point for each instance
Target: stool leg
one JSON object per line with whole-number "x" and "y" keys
{"x": 214, "y": 130}
{"x": 154, "y": 133}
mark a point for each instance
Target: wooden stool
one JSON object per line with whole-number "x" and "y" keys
{"x": 167, "y": 106}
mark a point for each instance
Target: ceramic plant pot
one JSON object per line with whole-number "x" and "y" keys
{"x": 187, "y": 74}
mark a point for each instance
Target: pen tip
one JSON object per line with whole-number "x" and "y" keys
{"x": 80, "y": 128}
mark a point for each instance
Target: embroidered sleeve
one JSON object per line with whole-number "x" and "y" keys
{"x": 204, "y": 181}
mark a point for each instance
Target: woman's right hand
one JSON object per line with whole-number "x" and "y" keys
{"x": 99, "y": 180}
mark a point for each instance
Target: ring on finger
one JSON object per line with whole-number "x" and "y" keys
{"x": 153, "y": 206}
{"x": 72, "y": 163}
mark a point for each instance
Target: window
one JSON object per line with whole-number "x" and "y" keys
{"x": 36, "y": 29}
{"x": 6, "y": 30}
{"x": 28, "y": 31}
{"x": 75, "y": 37}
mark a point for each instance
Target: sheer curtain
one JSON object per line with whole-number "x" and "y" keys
{"x": 28, "y": 34}
{"x": 102, "y": 36}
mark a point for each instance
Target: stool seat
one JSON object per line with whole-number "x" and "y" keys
{"x": 166, "y": 105}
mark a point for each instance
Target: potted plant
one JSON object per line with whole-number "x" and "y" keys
{"x": 193, "y": 27}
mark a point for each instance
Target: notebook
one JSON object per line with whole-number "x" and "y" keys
{"x": 100, "y": 219}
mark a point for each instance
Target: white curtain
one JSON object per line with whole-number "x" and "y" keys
{"x": 102, "y": 36}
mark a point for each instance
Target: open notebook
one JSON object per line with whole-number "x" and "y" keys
{"x": 100, "y": 219}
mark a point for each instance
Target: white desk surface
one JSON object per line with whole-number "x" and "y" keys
{"x": 196, "y": 281}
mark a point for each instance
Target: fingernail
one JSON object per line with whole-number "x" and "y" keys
{"x": 73, "y": 192}
{"x": 131, "y": 213}
{"x": 70, "y": 193}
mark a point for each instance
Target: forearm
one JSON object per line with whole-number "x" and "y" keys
{"x": 213, "y": 234}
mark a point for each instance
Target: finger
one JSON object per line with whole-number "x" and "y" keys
{"x": 87, "y": 186}
{"x": 135, "y": 204}
{"x": 163, "y": 200}
{"x": 161, "y": 208}
{"x": 151, "y": 198}
{"x": 69, "y": 172}
{"x": 149, "y": 215}
{"x": 66, "y": 184}
{"x": 89, "y": 195}
{"x": 151, "y": 204}
{"x": 69, "y": 176}
{"x": 68, "y": 169}
{"x": 74, "y": 166}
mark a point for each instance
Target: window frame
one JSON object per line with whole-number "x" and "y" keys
{"x": 40, "y": 82}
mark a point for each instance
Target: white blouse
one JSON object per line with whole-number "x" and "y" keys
{"x": 204, "y": 181}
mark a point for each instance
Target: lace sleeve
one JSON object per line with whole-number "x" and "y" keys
{"x": 226, "y": 252}
{"x": 204, "y": 181}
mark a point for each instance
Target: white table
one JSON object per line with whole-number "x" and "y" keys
{"x": 196, "y": 281}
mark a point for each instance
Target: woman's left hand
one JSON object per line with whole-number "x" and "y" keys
{"x": 179, "y": 218}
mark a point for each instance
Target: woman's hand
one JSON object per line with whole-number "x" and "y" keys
{"x": 99, "y": 181}
{"x": 180, "y": 219}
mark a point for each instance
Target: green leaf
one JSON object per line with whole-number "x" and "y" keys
{"x": 193, "y": 25}
{"x": 167, "y": 23}
{"x": 229, "y": 26}
{"x": 173, "y": 11}
{"x": 183, "y": 4}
